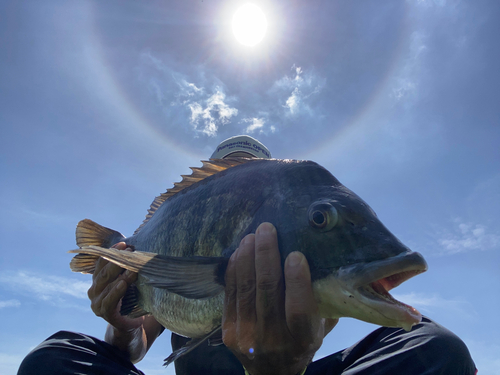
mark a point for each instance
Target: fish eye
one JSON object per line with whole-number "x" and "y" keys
{"x": 322, "y": 216}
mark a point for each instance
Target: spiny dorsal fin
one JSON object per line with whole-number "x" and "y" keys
{"x": 208, "y": 169}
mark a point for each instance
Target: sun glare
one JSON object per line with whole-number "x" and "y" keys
{"x": 249, "y": 24}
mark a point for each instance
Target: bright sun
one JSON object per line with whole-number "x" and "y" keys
{"x": 249, "y": 24}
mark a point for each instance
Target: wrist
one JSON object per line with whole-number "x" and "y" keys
{"x": 130, "y": 342}
{"x": 115, "y": 335}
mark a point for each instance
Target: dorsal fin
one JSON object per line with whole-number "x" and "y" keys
{"x": 209, "y": 168}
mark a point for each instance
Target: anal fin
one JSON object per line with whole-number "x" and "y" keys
{"x": 189, "y": 346}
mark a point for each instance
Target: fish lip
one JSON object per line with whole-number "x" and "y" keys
{"x": 371, "y": 282}
{"x": 360, "y": 274}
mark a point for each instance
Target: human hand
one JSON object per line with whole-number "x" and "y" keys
{"x": 271, "y": 325}
{"x": 109, "y": 284}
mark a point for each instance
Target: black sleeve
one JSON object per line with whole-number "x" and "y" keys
{"x": 428, "y": 349}
{"x": 206, "y": 359}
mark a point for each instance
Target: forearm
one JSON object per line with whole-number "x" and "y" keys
{"x": 133, "y": 343}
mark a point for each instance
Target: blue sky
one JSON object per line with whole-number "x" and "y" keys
{"x": 103, "y": 105}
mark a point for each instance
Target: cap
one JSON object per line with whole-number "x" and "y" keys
{"x": 241, "y": 146}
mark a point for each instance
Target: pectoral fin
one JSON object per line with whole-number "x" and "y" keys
{"x": 130, "y": 303}
{"x": 195, "y": 277}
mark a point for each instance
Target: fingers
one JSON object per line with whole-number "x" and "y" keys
{"x": 113, "y": 296}
{"x": 256, "y": 328}
{"x": 109, "y": 285}
{"x": 102, "y": 262}
{"x": 105, "y": 272}
{"x": 229, "y": 314}
{"x": 330, "y": 324}
{"x": 270, "y": 286}
{"x": 245, "y": 280}
{"x": 120, "y": 246}
{"x": 105, "y": 303}
{"x": 302, "y": 314}
{"x": 239, "y": 302}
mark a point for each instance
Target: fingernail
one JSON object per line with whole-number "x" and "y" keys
{"x": 244, "y": 240}
{"x": 234, "y": 257}
{"x": 265, "y": 228}
{"x": 121, "y": 284}
{"x": 294, "y": 259}
{"x": 247, "y": 239}
{"x": 128, "y": 273}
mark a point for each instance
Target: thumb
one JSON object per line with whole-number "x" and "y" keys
{"x": 301, "y": 310}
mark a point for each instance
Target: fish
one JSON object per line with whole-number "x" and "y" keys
{"x": 182, "y": 248}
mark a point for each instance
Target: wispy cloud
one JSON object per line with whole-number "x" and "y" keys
{"x": 44, "y": 287}
{"x": 207, "y": 111}
{"x": 208, "y": 114}
{"x": 258, "y": 125}
{"x": 427, "y": 304}
{"x": 10, "y": 303}
{"x": 430, "y": 3}
{"x": 299, "y": 88}
{"x": 405, "y": 83}
{"x": 465, "y": 237}
{"x": 200, "y": 100}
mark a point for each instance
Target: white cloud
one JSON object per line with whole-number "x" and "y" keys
{"x": 465, "y": 237}
{"x": 215, "y": 112}
{"x": 187, "y": 90}
{"x": 216, "y": 102}
{"x": 44, "y": 287}
{"x": 199, "y": 100}
{"x": 293, "y": 101}
{"x": 10, "y": 303}
{"x": 205, "y": 110}
{"x": 196, "y": 112}
{"x": 258, "y": 124}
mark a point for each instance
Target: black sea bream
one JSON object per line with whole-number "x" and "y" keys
{"x": 183, "y": 246}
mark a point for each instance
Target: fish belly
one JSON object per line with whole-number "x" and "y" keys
{"x": 187, "y": 317}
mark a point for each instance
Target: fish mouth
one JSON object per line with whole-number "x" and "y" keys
{"x": 370, "y": 284}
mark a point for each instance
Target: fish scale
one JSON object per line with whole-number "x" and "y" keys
{"x": 183, "y": 246}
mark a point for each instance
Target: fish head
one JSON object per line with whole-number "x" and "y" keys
{"x": 354, "y": 259}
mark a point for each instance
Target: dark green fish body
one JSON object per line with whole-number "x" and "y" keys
{"x": 182, "y": 248}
